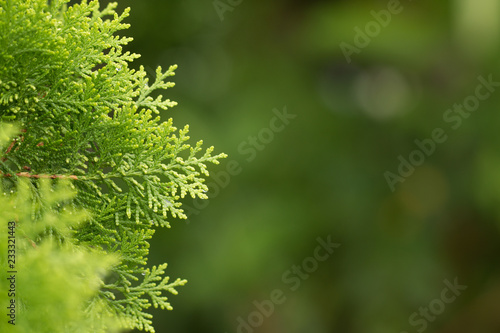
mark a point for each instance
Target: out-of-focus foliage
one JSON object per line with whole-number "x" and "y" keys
{"x": 324, "y": 173}
{"x": 55, "y": 284}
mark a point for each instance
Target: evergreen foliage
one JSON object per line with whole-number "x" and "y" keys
{"x": 86, "y": 123}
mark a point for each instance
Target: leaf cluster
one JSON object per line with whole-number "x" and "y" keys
{"x": 86, "y": 117}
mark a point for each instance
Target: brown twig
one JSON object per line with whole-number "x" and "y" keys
{"x": 29, "y": 175}
{"x": 12, "y": 144}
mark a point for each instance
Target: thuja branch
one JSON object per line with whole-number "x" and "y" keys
{"x": 89, "y": 118}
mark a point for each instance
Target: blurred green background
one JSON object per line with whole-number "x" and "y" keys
{"x": 323, "y": 174}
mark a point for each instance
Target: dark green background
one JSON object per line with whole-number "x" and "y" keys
{"x": 324, "y": 173}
